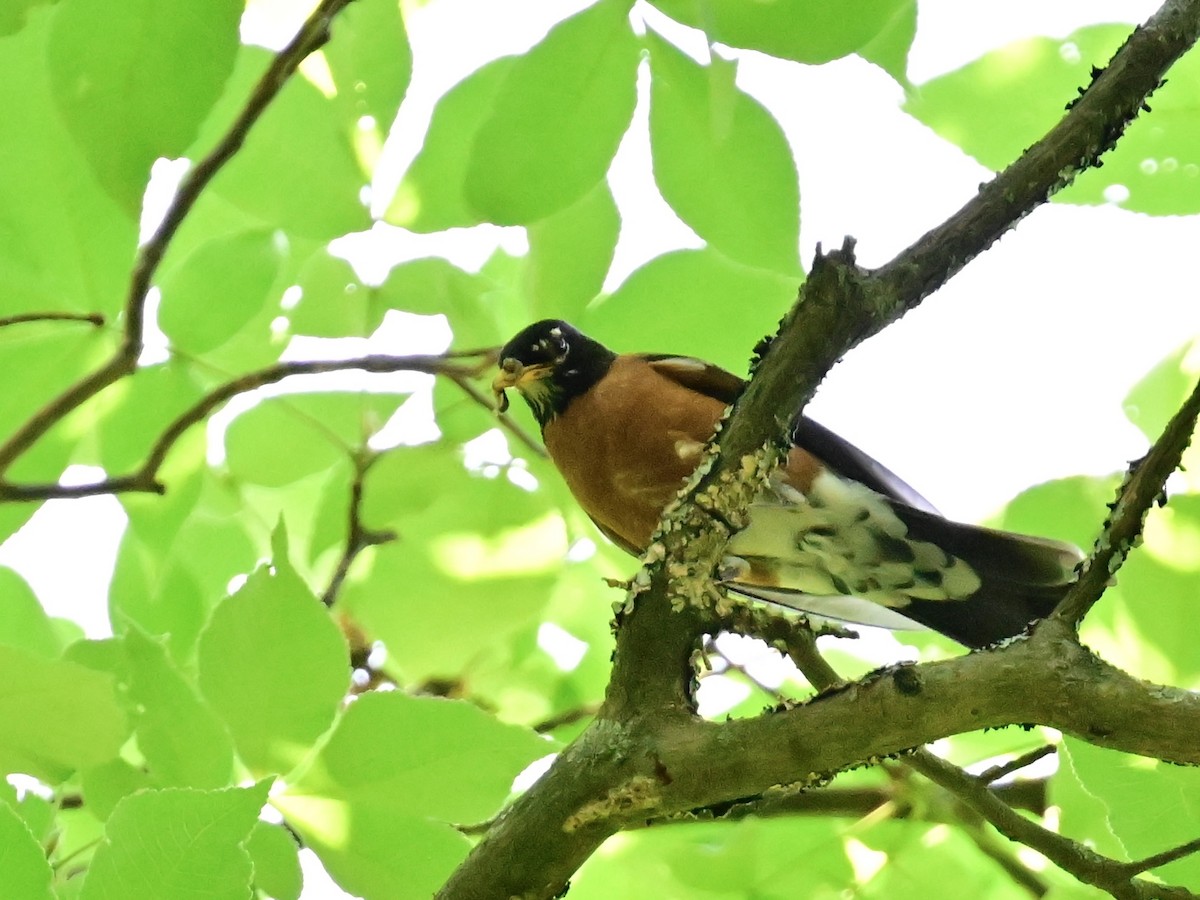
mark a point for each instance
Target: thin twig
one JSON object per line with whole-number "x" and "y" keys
{"x": 567, "y": 717}
{"x": 312, "y": 34}
{"x": 1083, "y": 863}
{"x": 358, "y": 537}
{"x": 995, "y": 773}
{"x": 21, "y": 318}
{"x": 1143, "y": 486}
{"x": 509, "y": 423}
{"x": 145, "y": 479}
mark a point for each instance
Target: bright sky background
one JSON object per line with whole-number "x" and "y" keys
{"x": 1010, "y": 375}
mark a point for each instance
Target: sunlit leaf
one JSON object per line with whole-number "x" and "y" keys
{"x": 24, "y": 871}
{"x": 218, "y": 290}
{"x": 996, "y": 106}
{"x": 58, "y": 715}
{"x": 274, "y": 667}
{"x": 371, "y": 61}
{"x": 287, "y": 438}
{"x": 645, "y": 307}
{"x": 569, "y": 255}
{"x": 1150, "y": 805}
{"x": 297, "y": 170}
{"x": 807, "y": 31}
{"x": 276, "y": 859}
{"x": 425, "y": 756}
{"x": 434, "y": 285}
{"x": 23, "y": 622}
{"x": 143, "y": 406}
{"x": 184, "y": 744}
{"x": 47, "y": 187}
{"x": 121, "y": 90}
{"x": 722, "y": 161}
{"x": 168, "y": 843}
{"x": 557, "y": 119}
{"x": 357, "y": 843}
{"x": 12, "y": 14}
{"x": 430, "y": 196}
{"x": 104, "y": 786}
{"x": 334, "y": 302}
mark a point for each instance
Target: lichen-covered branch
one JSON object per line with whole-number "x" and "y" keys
{"x": 647, "y": 755}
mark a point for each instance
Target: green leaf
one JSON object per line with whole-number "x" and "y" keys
{"x": 58, "y": 715}
{"x": 218, "y": 290}
{"x": 177, "y": 557}
{"x": 12, "y": 14}
{"x": 1158, "y": 585}
{"x": 1068, "y": 509}
{"x": 557, "y": 119}
{"x": 24, "y": 871}
{"x": 142, "y": 406}
{"x": 274, "y": 667}
{"x": 430, "y": 196}
{"x": 424, "y": 757}
{"x": 889, "y": 48}
{"x": 996, "y": 106}
{"x": 47, "y": 261}
{"x": 1151, "y": 805}
{"x": 121, "y": 89}
{"x": 747, "y": 302}
{"x": 297, "y": 170}
{"x": 276, "y": 859}
{"x": 722, "y": 161}
{"x": 808, "y": 31}
{"x": 569, "y": 255}
{"x": 371, "y": 61}
{"x": 23, "y": 622}
{"x": 406, "y": 481}
{"x": 722, "y": 861}
{"x": 177, "y": 843}
{"x": 372, "y": 852}
{"x": 1155, "y": 398}
{"x": 493, "y": 547}
{"x": 436, "y": 286}
{"x": 286, "y": 438}
{"x": 184, "y": 744}
{"x": 104, "y": 786}
{"x": 334, "y": 302}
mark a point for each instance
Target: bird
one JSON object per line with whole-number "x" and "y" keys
{"x": 836, "y": 534}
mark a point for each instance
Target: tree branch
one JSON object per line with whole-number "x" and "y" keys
{"x": 313, "y": 34}
{"x": 1143, "y": 486}
{"x": 145, "y": 479}
{"x": 646, "y": 755}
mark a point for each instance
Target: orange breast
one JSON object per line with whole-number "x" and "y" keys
{"x": 627, "y": 445}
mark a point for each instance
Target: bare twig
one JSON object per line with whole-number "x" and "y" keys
{"x": 1086, "y": 865}
{"x": 1143, "y": 486}
{"x": 22, "y": 318}
{"x": 995, "y": 773}
{"x": 567, "y": 717}
{"x": 145, "y": 479}
{"x": 358, "y": 537}
{"x": 312, "y": 34}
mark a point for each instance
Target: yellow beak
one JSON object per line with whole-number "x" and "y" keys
{"x": 514, "y": 374}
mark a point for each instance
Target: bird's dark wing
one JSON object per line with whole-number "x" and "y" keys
{"x": 697, "y": 375}
{"x": 835, "y": 452}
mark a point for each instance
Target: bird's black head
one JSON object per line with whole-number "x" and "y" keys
{"x": 551, "y": 364}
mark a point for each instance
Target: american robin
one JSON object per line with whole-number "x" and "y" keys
{"x": 836, "y": 533}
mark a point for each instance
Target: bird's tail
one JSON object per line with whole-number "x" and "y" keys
{"x": 843, "y": 544}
